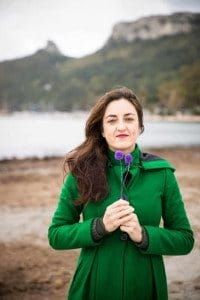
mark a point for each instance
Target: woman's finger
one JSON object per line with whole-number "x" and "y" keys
{"x": 116, "y": 210}
{"x": 119, "y": 202}
{"x": 125, "y": 219}
{"x": 124, "y": 212}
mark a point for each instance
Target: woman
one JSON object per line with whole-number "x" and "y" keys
{"x": 122, "y": 242}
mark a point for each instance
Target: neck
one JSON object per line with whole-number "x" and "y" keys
{"x": 125, "y": 151}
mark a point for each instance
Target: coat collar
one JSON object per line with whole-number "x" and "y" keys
{"x": 143, "y": 160}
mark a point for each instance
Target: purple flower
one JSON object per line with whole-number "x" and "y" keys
{"x": 119, "y": 155}
{"x": 128, "y": 159}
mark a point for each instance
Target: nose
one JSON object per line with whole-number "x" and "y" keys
{"x": 121, "y": 126}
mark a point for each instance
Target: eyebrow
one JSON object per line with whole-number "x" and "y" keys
{"x": 113, "y": 116}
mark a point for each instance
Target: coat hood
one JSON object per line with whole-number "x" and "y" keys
{"x": 144, "y": 160}
{"x": 150, "y": 161}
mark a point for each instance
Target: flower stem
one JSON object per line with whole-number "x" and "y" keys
{"x": 121, "y": 193}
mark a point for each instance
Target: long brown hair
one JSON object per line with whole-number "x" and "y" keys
{"x": 87, "y": 162}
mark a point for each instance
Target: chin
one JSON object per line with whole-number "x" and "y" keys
{"x": 124, "y": 147}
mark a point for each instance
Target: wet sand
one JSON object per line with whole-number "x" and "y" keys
{"x": 30, "y": 269}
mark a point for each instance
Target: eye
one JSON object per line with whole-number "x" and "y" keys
{"x": 129, "y": 119}
{"x": 111, "y": 121}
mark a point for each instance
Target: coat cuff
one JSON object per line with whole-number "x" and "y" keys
{"x": 145, "y": 240}
{"x": 90, "y": 240}
{"x": 98, "y": 230}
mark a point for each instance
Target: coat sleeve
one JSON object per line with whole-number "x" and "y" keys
{"x": 176, "y": 236}
{"x": 65, "y": 230}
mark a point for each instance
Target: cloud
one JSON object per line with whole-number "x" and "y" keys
{"x": 77, "y": 27}
{"x": 184, "y": 5}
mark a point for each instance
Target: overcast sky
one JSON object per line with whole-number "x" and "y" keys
{"x": 78, "y": 27}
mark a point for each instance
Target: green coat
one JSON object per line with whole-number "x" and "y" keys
{"x": 113, "y": 269}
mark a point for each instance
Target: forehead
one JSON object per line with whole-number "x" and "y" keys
{"x": 120, "y": 107}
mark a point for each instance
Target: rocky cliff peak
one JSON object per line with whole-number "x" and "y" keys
{"x": 154, "y": 27}
{"x": 52, "y": 48}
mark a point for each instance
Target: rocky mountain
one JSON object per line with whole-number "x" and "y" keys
{"x": 51, "y": 48}
{"x": 154, "y": 27}
{"x": 158, "y": 57}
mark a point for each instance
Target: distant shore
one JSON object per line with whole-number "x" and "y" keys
{"x": 172, "y": 118}
{"x": 178, "y": 117}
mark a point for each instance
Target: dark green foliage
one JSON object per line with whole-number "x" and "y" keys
{"x": 151, "y": 68}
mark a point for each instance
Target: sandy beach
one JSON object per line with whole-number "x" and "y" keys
{"x": 30, "y": 269}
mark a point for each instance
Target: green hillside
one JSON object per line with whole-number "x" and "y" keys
{"x": 163, "y": 72}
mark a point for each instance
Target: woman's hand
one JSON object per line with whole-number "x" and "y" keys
{"x": 133, "y": 228}
{"x": 117, "y": 214}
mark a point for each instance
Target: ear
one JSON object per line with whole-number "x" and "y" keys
{"x": 103, "y": 135}
{"x": 140, "y": 130}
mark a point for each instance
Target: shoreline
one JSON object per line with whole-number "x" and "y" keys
{"x": 57, "y": 157}
{"x": 172, "y": 118}
{"x": 149, "y": 117}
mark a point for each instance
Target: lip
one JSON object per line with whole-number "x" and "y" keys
{"x": 122, "y": 135}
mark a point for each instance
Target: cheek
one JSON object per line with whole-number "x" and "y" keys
{"x": 135, "y": 130}
{"x": 109, "y": 133}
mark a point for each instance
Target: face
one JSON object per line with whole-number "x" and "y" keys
{"x": 121, "y": 125}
